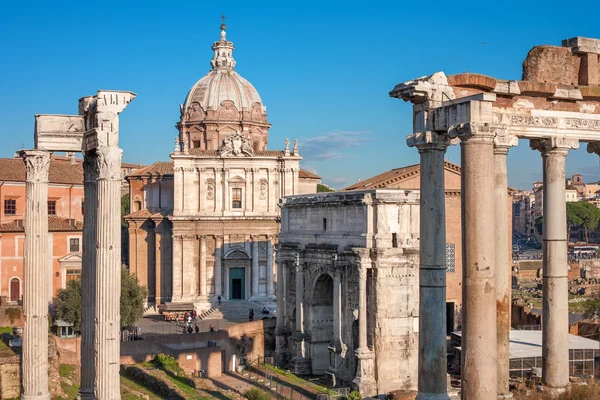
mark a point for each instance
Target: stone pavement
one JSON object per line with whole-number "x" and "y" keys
{"x": 229, "y": 313}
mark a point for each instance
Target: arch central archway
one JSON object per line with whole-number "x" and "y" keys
{"x": 321, "y": 323}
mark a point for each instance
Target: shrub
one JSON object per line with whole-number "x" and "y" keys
{"x": 354, "y": 395}
{"x": 257, "y": 394}
{"x": 167, "y": 363}
{"x": 13, "y": 313}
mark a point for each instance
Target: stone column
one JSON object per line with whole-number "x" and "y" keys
{"x": 202, "y": 282}
{"x": 218, "y": 267}
{"x": 35, "y": 282}
{"x": 188, "y": 267}
{"x": 88, "y": 276}
{"x": 270, "y": 288}
{"x": 108, "y": 275}
{"x": 555, "y": 320}
{"x": 280, "y": 330}
{"x": 503, "y": 262}
{"x": 177, "y": 268}
{"x": 159, "y": 235}
{"x": 432, "y": 269}
{"x": 255, "y": 273}
{"x": 479, "y": 341}
{"x": 302, "y": 363}
{"x": 365, "y": 379}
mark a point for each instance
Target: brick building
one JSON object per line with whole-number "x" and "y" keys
{"x": 65, "y": 222}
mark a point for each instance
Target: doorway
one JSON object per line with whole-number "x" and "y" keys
{"x": 15, "y": 290}
{"x": 237, "y": 282}
{"x": 449, "y": 317}
{"x": 321, "y": 324}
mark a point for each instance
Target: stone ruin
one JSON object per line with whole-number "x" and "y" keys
{"x": 95, "y": 133}
{"x": 555, "y": 107}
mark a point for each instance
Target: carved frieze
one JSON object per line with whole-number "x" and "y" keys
{"x": 580, "y": 123}
{"x": 529, "y": 120}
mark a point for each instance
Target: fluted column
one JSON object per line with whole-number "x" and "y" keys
{"x": 302, "y": 364}
{"x": 280, "y": 331}
{"x": 255, "y": 273}
{"x": 270, "y": 288}
{"x": 177, "y": 268}
{"x": 218, "y": 267}
{"x": 555, "y": 299}
{"x": 503, "y": 264}
{"x": 432, "y": 269}
{"x": 108, "y": 274}
{"x": 364, "y": 380}
{"x": 88, "y": 276}
{"x": 202, "y": 265}
{"x": 35, "y": 296}
{"x": 479, "y": 340}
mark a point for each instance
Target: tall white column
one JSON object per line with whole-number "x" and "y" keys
{"x": 255, "y": 273}
{"x": 432, "y": 269}
{"x": 555, "y": 299}
{"x": 503, "y": 264}
{"x": 280, "y": 330}
{"x": 301, "y": 362}
{"x": 177, "y": 268}
{"x": 202, "y": 282}
{"x": 270, "y": 286}
{"x": 88, "y": 276}
{"x": 364, "y": 380}
{"x": 108, "y": 275}
{"x": 479, "y": 340}
{"x": 35, "y": 283}
{"x": 218, "y": 267}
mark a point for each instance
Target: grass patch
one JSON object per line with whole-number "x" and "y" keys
{"x": 5, "y": 329}
{"x": 134, "y": 386}
{"x": 291, "y": 378}
{"x": 68, "y": 382}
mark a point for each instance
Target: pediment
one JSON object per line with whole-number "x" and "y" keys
{"x": 237, "y": 254}
{"x": 72, "y": 257}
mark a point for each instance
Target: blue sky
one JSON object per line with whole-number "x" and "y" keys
{"x": 323, "y": 69}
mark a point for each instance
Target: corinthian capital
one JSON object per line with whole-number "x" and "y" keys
{"x": 109, "y": 162}
{"x": 429, "y": 140}
{"x": 503, "y": 141}
{"x": 554, "y": 145}
{"x": 37, "y": 164}
{"x": 90, "y": 167}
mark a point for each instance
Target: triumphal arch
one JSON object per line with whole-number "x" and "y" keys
{"x": 95, "y": 133}
{"x": 555, "y": 108}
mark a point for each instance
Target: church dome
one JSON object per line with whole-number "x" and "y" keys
{"x": 223, "y": 83}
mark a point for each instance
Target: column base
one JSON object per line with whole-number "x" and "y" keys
{"x": 35, "y": 396}
{"x": 555, "y": 393}
{"x": 505, "y": 396}
{"x": 301, "y": 366}
{"x": 364, "y": 381}
{"x": 432, "y": 396}
{"x": 85, "y": 396}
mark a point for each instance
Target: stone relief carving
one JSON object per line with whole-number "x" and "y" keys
{"x": 236, "y": 145}
{"x": 580, "y": 123}
{"x": 37, "y": 164}
{"x": 109, "y": 162}
{"x": 530, "y": 120}
{"x": 263, "y": 189}
{"x": 210, "y": 189}
{"x": 561, "y": 144}
{"x": 195, "y": 112}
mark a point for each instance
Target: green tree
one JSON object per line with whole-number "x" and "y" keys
{"x": 67, "y": 303}
{"x": 539, "y": 224}
{"x": 124, "y": 209}
{"x": 579, "y": 213}
{"x": 323, "y": 188}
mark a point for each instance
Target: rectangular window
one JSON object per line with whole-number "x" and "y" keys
{"x": 236, "y": 198}
{"x": 73, "y": 274}
{"x": 82, "y": 207}
{"x": 324, "y": 224}
{"x": 73, "y": 245}
{"x": 394, "y": 240}
{"x": 51, "y": 207}
{"x": 10, "y": 207}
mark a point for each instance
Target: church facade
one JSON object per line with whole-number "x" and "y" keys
{"x": 205, "y": 223}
